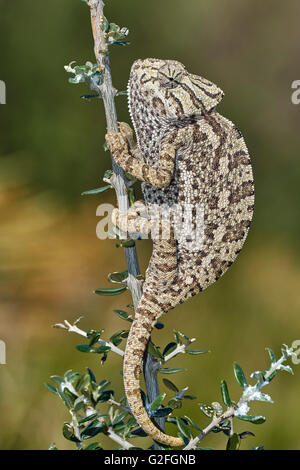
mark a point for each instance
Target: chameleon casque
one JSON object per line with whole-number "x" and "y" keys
{"x": 190, "y": 156}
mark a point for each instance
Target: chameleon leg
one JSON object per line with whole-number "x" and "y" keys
{"x": 133, "y": 161}
{"x": 128, "y": 134}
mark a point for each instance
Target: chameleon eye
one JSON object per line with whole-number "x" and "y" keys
{"x": 167, "y": 81}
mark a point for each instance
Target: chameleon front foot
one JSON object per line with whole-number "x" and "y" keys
{"x": 117, "y": 145}
{"x": 127, "y": 133}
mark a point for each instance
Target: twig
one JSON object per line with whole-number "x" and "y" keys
{"x": 119, "y": 405}
{"x": 122, "y": 442}
{"x": 179, "y": 350}
{"x": 108, "y": 92}
{"x": 110, "y": 433}
{"x": 75, "y": 329}
{"x": 215, "y": 422}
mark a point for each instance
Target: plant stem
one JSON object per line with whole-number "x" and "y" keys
{"x": 120, "y": 184}
{"x": 122, "y": 442}
{"x": 108, "y": 92}
{"x": 180, "y": 349}
{"x": 215, "y": 422}
{"x": 75, "y": 329}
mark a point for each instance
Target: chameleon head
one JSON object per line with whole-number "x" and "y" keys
{"x": 169, "y": 90}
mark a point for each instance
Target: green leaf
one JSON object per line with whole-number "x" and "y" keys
{"x": 170, "y": 371}
{"x": 157, "y": 402}
{"x": 225, "y": 394}
{"x": 175, "y": 403}
{"x": 271, "y": 377}
{"x": 93, "y": 349}
{"x": 103, "y": 385}
{"x": 184, "y": 429}
{"x": 121, "y": 43}
{"x": 122, "y": 93}
{"x": 252, "y": 419}
{"x": 104, "y": 25}
{"x": 112, "y": 291}
{"x": 94, "y": 336}
{"x": 161, "y": 413}
{"x": 233, "y": 442}
{"x": 88, "y": 418}
{"x": 169, "y": 348}
{"x": 170, "y": 385}
{"x": 154, "y": 351}
{"x": 132, "y": 196}
{"x": 97, "y": 190}
{"x": 125, "y": 243}
{"x": 79, "y": 404}
{"x": 94, "y": 428}
{"x": 105, "y": 396}
{"x": 272, "y": 355}
{"x": 52, "y": 446}
{"x": 204, "y": 448}
{"x": 286, "y": 369}
{"x": 51, "y": 388}
{"x": 68, "y": 402}
{"x": 189, "y": 397}
{"x": 89, "y": 97}
{"x": 193, "y": 424}
{"x": 56, "y": 378}
{"x": 196, "y": 351}
{"x": 245, "y": 434}
{"x": 123, "y": 315}
{"x": 239, "y": 375}
{"x": 68, "y": 433}
{"x": 70, "y": 376}
{"x": 70, "y": 396}
{"x": 83, "y": 382}
{"x": 93, "y": 446}
{"x": 117, "y": 337}
{"x": 259, "y": 376}
{"x": 177, "y": 337}
{"x": 117, "y": 277}
{"x": 119, "y": 418}
{"x": 138, "y": 432}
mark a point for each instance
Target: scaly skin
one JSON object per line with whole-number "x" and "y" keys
{"x": 189, "y": 156}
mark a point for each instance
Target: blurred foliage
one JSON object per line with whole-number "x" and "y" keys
{"x": 51, "y": 151}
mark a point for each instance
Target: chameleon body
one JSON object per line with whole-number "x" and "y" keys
{"x": 190, "y": 156}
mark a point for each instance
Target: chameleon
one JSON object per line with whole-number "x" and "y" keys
{"x": 186, "y": 155}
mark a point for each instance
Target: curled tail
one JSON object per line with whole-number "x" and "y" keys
{"x": 147, "y": 314}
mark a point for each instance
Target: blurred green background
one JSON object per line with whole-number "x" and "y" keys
{"x": 51, "y": 151}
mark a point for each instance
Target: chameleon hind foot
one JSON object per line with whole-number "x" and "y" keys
{"x": 134, "y": 221}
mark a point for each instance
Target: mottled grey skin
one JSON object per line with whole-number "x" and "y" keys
{"x": 189, "y": 155}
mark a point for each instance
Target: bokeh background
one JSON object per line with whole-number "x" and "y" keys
{"x": 51, "y": 151}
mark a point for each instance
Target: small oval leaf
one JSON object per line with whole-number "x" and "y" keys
{"x": 112, "y": 291}
{"x": 225, "y": 394}
{"x": 239, "y": 375}
{"x": 233, "y": 442}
